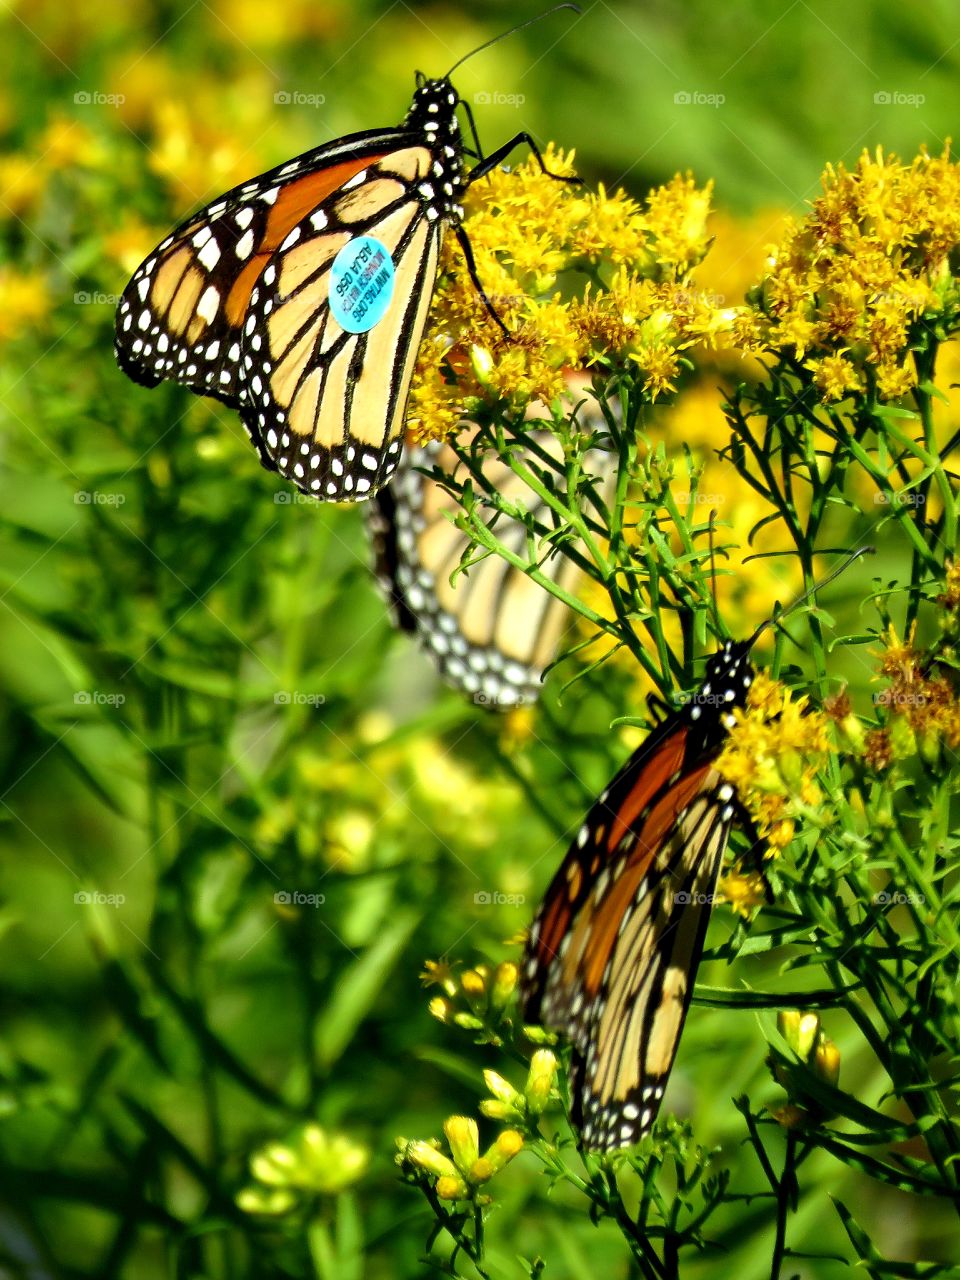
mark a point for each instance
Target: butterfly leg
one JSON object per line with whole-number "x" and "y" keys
{"x": 472, "y": 272}
{"x": 490, "y": 162}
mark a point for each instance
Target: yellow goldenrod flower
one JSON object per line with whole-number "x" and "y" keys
{"x": 439, "y": 973}
{"x": 772, "y": 756}
{"x": 744, "y": 890}
{"x": 846, "y": 285}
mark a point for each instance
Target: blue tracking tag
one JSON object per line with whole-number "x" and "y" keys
{"x": 361, "y": 284}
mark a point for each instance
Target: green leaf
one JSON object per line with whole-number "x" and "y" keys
{"x": 359, "y": 986}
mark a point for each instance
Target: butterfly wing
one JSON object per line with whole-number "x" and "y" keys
{"x": 328, "y": 404}
{"x": 615, "y": 946}
{"x": 235, "y": 304}
{"x": 491, "y": 631}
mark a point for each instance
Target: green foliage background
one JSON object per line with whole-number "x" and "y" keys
{"x": 149, "y": 1046}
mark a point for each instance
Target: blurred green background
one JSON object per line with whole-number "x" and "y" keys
{"x": 203, "y": 703}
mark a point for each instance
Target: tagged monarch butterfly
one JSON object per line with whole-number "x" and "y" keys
{"x": 300, "y": 297}
{"x": 613, "y": 950}
{"x": 491, "y": 630}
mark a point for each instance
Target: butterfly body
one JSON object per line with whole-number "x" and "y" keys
{"x": 614, "y": 948}
{"x": 239, "y": 302}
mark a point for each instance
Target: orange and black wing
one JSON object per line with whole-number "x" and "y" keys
{"x": 236, "y": 304}
{"x": 614, "y": 948}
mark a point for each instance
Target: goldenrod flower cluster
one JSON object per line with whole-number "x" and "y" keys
{"x": 772, "y": 757}
{"x": 581, "y": 280}
{"x": 920, "y": 710}
{"x": 309, "y": 1162}
{"x": 851, "y": 287}
{"x": 461, "y": 1174}
{"x": 475, "y": 1000}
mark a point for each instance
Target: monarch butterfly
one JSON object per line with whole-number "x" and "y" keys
{"x": 300, "y": 297}
{"x": 491, "y": 630}
{"x": 614, "y": 948}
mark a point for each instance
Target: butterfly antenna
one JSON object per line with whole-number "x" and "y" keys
{"x": 503, "y": 35}
{"x": 842, "y": 567}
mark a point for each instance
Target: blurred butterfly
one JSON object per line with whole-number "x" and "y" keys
{"x": 491, "y": 630}
{"x": 613, "y": 951}
{"x": 300, "y": 297}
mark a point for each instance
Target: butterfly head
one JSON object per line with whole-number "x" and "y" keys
{"x": 726, "y": 683}
{"x": 434, "y": 111}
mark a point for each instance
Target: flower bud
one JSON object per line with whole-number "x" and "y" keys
{"x": 826, "y": 1061}
{"x": 452, "y": 1188}
{"x": 464, "y": 1139}
{"x": 504, "y": 984}
{"x": 540, "y": 1080}
{"x": 482, "y": 362}
{"x": 426, "y": 1156}
{"x": 441, "y": 1008}
{"x": 500, "y": 1088}
{"x": 800, "y": 1030}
